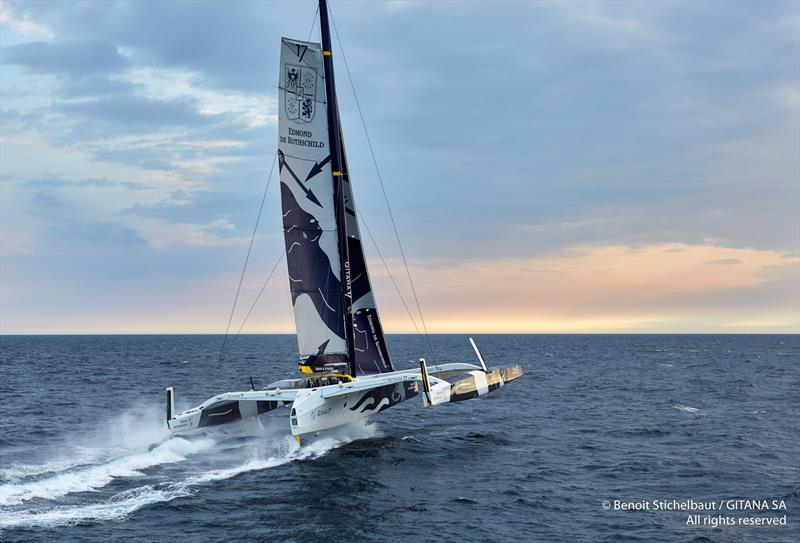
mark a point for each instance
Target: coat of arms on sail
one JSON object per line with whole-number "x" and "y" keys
{"x": 301, "y": 92}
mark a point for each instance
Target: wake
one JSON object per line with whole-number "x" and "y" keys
{"x": 30, "y": 493}
{"x": 84, "y": 478}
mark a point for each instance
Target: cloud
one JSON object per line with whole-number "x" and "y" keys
{"x": 252, "y": 110}
{"x": 656, "y": 288}
{"x": 72, "y": 230}
{"x": 161, "y": 234}
{"x": 551, "y": 126}
{"x": 231, "y": 45}
{"x": 56, "y": 182}
{"x": 108, "y": 233}
{"x": 134, "y": 113}
{"x": 74, "y": 57}
{"x": 662, "y": 287}
{"x": 23, "y": 24}
{"x": 725, "y": 261}
{"x": 94, "y": 86}
{"x": 47, "y": 201}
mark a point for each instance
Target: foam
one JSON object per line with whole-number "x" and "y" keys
{"x": 119, "y": 506}
{"x": 84, "y": 479}
{"x": 134, "y": 430}
{"x": 269, "y": 450}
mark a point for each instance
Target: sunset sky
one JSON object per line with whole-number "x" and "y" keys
{"x": 553, "y": 167}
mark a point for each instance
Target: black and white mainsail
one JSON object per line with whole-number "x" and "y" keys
{"x": 309, "y": 212}
{"x": 334, "y": 307}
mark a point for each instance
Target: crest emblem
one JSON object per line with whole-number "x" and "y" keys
{"x": 301, "y": 93}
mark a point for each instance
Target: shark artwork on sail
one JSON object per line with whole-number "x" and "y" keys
{"x": 346, "y": 370}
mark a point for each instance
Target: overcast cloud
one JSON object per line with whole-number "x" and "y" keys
{"x": 137, "y": 138}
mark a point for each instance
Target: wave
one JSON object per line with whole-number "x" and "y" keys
{"x": 135, "y": 430}
{"x": 87, "y": 478}
{"x": 686, "y": 408}
{"x": 269, "y": 449}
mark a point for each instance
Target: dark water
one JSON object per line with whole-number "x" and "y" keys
{"x": 84, "y": 455}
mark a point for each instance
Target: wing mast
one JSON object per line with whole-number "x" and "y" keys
{"x": 334, "y": 137}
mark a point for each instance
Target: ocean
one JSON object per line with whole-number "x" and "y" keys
{"x": 605, "y": 438}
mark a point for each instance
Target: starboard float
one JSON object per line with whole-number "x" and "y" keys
{"x": 347, "y": 373}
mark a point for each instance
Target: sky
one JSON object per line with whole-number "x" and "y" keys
{"x": 552, "y": 166}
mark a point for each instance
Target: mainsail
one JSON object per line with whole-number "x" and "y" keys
{"x": 335, "y": 324}
{"x": 309, "y": 213}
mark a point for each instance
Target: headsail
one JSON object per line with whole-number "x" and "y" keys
{"x": 370, "y": 352}
{"x": 309, "y": 214}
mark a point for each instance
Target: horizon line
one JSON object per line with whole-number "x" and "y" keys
{"x": 584, "y": 333}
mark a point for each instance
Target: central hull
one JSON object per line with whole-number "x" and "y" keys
{"x": 311, "y": 412}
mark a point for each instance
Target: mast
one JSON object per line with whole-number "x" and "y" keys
{"x": 334, "y": 137}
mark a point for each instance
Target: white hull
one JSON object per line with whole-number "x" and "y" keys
{"x": 312, "y": 411}
{"x": 325, "y": 407}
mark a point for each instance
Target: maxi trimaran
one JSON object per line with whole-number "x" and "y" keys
{"x": 346, "y": 372}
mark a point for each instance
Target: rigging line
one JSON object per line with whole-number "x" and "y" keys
{"x": 385, "y": 265}
{"x": 252, "y": 307}
{"x": 383, "y": 187}
{"x": 316, "y": 13}
{"x": 244, "y": 268}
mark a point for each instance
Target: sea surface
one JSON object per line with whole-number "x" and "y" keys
{"x": 85, "y": 455}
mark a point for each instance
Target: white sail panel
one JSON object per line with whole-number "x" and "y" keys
{"x": 307, "y": 197}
